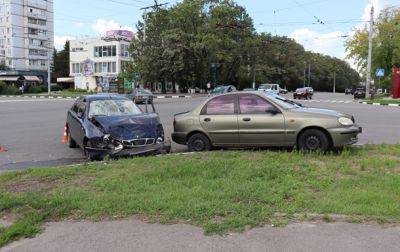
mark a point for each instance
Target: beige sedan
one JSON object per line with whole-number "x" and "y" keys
{"x": 260, "y": 119}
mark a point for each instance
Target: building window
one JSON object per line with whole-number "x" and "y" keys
{"x": 125, "y": 51}
{"x": 105, "y": 51}
{"x": 105, "y": 67}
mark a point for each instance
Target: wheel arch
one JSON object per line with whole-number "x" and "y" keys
{"x": 325, "y": 131}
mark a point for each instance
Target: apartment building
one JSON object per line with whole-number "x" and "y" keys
{"x": 26, "y": 38}
{"x": 96, "y": 62}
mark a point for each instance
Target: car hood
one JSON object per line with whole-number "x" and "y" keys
{"x": 317, "y": 111}
{"x": 130, "y": 127}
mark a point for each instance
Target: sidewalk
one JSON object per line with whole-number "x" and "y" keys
{"x": 135, "y": 235}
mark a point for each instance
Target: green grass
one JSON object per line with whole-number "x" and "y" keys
{"x": 218, "y": 191}
{"x": 383, "y": 101}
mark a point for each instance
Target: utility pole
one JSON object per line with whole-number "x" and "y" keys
{"x": 334, "y": 82}
{"x": 309, "y": 74}
{"x": 49, "y": 70}
{"x": 254, "y": 77}
{"x": 155, "y": 5}
{"x": 369, "y": 66}
{"x": 304, "y": 75}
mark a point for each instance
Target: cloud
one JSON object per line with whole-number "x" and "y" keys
{"x": 101, "y": 26}
{"x": 59, "y": 41}
{"x": 79, "y": 24}
{"x": 325, "y": 43}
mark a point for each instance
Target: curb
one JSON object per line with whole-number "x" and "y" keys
{"x": 380, "y": 104}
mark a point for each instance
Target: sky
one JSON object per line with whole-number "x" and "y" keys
{"x": 319, "y": 25}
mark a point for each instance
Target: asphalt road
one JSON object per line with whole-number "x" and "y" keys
{"x": 134, "y": 235}
{"x": 31, "y": 129}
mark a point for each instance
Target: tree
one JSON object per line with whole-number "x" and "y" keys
{"x": 201, "y": 41}
{"x": 386, "y": 44}
{"x": 3, "y": 67}
{"x": 61, "y": 61}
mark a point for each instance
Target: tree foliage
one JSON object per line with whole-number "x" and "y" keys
{"x": 201, "y": 41}
{"x": 386, "y": 44}
{"x": 61, "y": 61}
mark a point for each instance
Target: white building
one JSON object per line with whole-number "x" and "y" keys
{"x": 26, "y": 37}
{"x": 95, "y": 62}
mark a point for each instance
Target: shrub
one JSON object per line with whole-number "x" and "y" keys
{"x": 36, "y": 89}
{"x": 56, "y": 88}
{"x": 77, "y": 90}
{"x": 10, "y": 90}
{"x": 2, "y": 86}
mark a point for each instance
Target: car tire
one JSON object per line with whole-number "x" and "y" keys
{"x": 313, "y": 140}
{"x": 71, "y": 142}
{"x": 199, "y": 143}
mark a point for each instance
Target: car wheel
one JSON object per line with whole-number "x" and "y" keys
{"x": 198, "y": 143}
{"x": 313, "y": 140}
{"x": 71, "y": 142}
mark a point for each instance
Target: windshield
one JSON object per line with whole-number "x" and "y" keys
{"x": 283, "y": 102}
{"x": 218, "y": 90}
{"x": 144, "y": 91}
{"x": 113, "y": 108}
{"x": 269, "y": 86}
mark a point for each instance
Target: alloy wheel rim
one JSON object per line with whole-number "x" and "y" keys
{"x": 313, "y": 143}
{"x": 198, "y": 145}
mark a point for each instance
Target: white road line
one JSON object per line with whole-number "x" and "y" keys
{"x": 34, "y": 100}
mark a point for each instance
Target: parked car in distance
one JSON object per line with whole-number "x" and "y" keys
{"x": 141, "y": 96}
{"x": 113, "y": 125}
{"x": 302, "y": 93}
{"x": 283, "y": 91}
{"x": 248, "y": 89}
{"x": 348, "y": 91}
{"x": 274, "y": 88}
{"x": 310, "y": 90}
{"x": 260, "y": 119}
{"x": 360, "y": 93}
{"x": 222, "y": 90}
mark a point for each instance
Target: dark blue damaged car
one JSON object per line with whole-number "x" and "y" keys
{"x": 112, "y": 125}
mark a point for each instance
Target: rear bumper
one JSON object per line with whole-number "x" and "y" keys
{"x": 345, "y": 136}
{"x": 179, "y": 138}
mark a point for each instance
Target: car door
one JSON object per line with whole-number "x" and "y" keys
{"x": 219, "y": 120}
{"x": 75, "y": 123}
{"x": 260, "y": 122}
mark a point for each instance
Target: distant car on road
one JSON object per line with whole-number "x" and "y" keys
{"x": 274, "y": 88}
{"x": 223, "y": 90}
{"x": 360, "y": 93}
{"x": 302, "y": 93}
{"x": 261, "y": 119}
{"x": 310, "y": 90}
{"x": 283, "y": 91}
{"x": 348, "y": 91}
{"x": 113, "y": 125}
{"x": 142, "y": 96}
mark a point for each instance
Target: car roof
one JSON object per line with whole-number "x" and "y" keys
{"x": 99, "y": 97}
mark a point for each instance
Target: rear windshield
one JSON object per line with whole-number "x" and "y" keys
{"x": 113, "y": 108}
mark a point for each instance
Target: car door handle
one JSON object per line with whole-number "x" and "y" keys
{"x": 207, "y": 119}
{"x": 246, "y": 119}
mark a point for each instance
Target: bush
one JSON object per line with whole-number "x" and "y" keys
{"x": 56, "y": 88}
{"x": 2, "y": 86}
{"x": 10, "y": 90}
{"x": 36, "y": 89}
{"x": 76, "y": 90}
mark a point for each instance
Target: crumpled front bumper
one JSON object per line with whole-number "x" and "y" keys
{"x": 345, "y": 135}
{"x": 156, "y": 148}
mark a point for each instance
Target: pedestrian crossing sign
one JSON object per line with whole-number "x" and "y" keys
{"x": 380, "y": 72}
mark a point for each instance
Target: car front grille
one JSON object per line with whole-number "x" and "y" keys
{"x": 138, "y": 142}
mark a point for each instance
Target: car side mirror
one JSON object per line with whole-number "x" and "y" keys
{"x": 272, "y": 110}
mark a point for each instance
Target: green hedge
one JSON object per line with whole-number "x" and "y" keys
{"x": 8, "y": 89}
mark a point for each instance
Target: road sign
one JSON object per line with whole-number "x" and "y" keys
{"x": 380, "y": 72}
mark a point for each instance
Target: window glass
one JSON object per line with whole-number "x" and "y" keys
{"x": 224, "y": 105}
{"x": 253, "y": 104}
{"x": 113, "y": 108}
